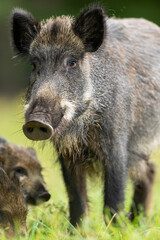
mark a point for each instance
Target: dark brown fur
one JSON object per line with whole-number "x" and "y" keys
{"x": 13, "y": 210}
{"x": 23, "y": 163}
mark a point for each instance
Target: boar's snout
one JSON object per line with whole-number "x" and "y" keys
{"x": 37, "y": 130}
{"x": 42, "y": 118}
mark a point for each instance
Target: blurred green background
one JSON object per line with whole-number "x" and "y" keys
{"x": 13, "y": 76}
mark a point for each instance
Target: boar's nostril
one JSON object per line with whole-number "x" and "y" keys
{"x": 30, "y": 130}
{"x": 37, "y": 130}
{"x": 43, "y": 129}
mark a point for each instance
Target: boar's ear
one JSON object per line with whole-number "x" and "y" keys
{"x": 90, "y": 26}
{"x": 23, "y": 29}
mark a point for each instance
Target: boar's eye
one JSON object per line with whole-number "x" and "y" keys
{"x": 70, "y": 63}
{"x": 20, "y": 171}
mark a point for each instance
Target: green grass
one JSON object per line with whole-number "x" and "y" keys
{"x": 50, "y": 220}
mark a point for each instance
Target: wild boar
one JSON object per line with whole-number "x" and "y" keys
{"x": 23, "y": 163}
{"x": 94, "y": 91}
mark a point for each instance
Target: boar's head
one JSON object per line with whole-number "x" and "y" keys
{"x": 61, "y": 90}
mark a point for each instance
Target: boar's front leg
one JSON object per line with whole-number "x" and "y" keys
{"x": 75, "y": 181}
{"x": 115, "y": 180}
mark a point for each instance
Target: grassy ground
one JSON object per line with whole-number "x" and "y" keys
{"x": 50, "y": 220}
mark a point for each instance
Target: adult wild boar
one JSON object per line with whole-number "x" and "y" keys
{"x": 95, "y": 91}
{"x": 23, "y": 163}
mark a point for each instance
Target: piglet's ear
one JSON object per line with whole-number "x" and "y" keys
{"x": 3, "y": 141}
{"x": 90, "y": 26}
{"x": 32, "y": 152}
{"x": 23, "y": 30}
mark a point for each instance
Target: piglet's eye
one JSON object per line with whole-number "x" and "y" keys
{"x": 20, "y": 171}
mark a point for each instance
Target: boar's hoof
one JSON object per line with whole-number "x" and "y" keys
{"x": 37, "y": 130}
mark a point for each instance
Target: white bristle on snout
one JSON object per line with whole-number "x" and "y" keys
{"x": 26, "y": 107}
{"x": 70, "y": 109}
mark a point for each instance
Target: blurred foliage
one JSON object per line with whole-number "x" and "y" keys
{"x": 13, "y": 76}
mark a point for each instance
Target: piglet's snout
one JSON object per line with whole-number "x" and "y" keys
{"x": 42, "y": 195}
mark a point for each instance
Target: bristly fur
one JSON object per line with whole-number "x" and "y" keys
{"x": 12, "y": 206}
{"x": 95, "y": 91}
{"x": 58, "y": 32}
{"x": 21, "y": 164}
